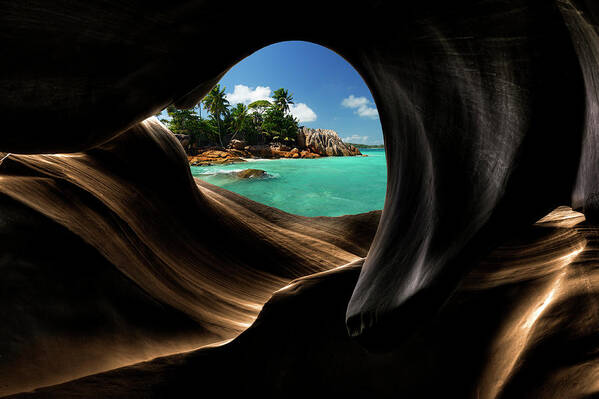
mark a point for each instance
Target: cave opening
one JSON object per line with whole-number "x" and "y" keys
{"x": 292, "y": 126}
{"x": 113, "y": 255}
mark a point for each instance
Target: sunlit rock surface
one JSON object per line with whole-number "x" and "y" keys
{"x": 324, "y": 142}
{"x": 522, "y": 324}
{"x": 162, "y": 264}
{"x": 489, "y": 111}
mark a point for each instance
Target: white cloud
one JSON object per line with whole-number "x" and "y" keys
{"x": 302, "y": 112}
{"x": 356, "y": 139}
{"x": 368, "y": 112}
{"x": 246, "y": 95}
{"x": 361, "y": 106}
{"x": 354, "y": 102}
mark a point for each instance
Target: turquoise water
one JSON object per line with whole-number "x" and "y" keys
{"x": 331, "y": 186}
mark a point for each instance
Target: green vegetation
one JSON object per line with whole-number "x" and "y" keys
{"x": 217, "y": 105}
{"x": 367, "y": 145}
{"x": 260, "y": 122}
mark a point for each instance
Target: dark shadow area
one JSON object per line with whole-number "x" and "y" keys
{"x": 489, "y": 115}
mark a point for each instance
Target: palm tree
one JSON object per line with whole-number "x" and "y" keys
{"x": 259, "y": 106}
{"x": 217, "y": 105}
{"x": 240, "y": 116}
{"x": 258, "y": 109}
{"x": 283, "y": 99}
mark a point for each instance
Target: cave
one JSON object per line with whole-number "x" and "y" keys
{"x": 476, "y": 280}
{"x": 332, "y": 160}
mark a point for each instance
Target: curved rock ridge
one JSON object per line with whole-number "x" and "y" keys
{"x": 486, "y": 109}
{"x": 324, "y": 142}
{"x": 157, "y": 262}
{"x": 490, "y": 115}
{"x": 524, "y": 311}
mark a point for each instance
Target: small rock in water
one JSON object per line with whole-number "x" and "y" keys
{"x": 247, "y": 173}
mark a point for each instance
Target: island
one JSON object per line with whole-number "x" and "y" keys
{"x": 309, "y": 143}
{"x": 262, "y": 129}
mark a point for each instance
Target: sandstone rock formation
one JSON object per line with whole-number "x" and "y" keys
{"x": 513, "y": 281}
{"x": 142, "y": 279}
{"x": 324, "y": 142}
{"x": 490, "y": 116}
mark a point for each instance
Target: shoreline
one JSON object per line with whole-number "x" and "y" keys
{"x": 309, "y": 143}
{"x": 219, "y": 156}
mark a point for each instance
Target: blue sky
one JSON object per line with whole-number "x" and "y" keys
{"x": 327, "y": 91}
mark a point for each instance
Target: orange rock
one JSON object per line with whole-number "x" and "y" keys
{"x": 309, "y": 155}
{"x": 214, "y": 157}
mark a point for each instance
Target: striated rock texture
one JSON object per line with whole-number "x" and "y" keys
{"x": 324, "y": 142}
{"x": 490, "y": 115}
{"x": 534, "y": 286}
{"x": 189, "y": 265}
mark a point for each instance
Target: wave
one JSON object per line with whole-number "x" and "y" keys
{"x": 217, "y": 171}
{"x": 231, "y": 173}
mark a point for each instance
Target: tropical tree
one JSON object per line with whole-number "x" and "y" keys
{"x": 261, "y": 121}
{"x": 187, "y": 121}
{"x": 280, "y": 126}
{"x": 282, "y": 99}
{"x": 240, "y": 119}
{"x": 217, "y": 106}
{"x": 260, "y": 106}
{"x": 257, "y": 109}
{"x": 180, "y": 120}
{"x": 206, "y": 132}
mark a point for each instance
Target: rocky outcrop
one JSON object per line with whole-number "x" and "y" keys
{"x": 262, "y": 150}
{"x": 310, "y": 143}
{"x": 308, "y": 154}
{"x": 216, "y": 157}
{"x": 233, "y": 154}
{"x": 324, "y": 142}
{"x": 237, "y": 144}
{"x": 274, "y": 150}
{"x": 250, "y": 173}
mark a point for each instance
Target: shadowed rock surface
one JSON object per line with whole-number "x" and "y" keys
{"x": 208, "y": 257}
{"x": 520, "y": 315}
{"x": 490, "y": 115}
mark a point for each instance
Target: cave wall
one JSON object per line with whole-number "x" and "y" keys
{"x": 488, "y": 109}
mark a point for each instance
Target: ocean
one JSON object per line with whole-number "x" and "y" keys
{"x": 329, "y": 186}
